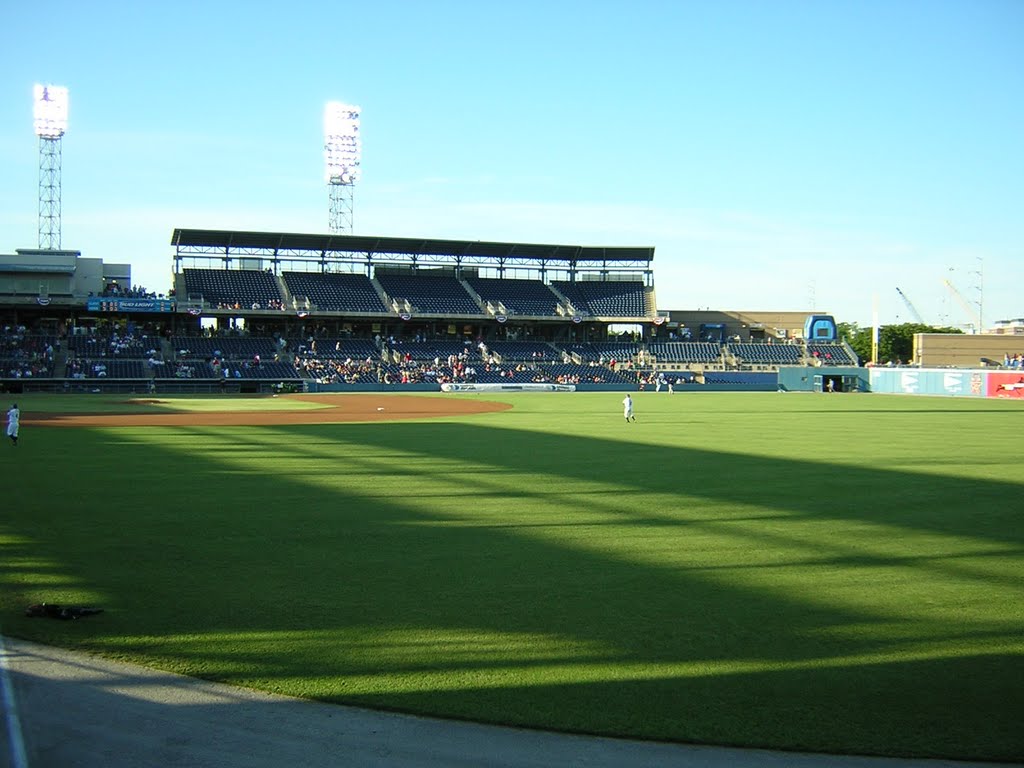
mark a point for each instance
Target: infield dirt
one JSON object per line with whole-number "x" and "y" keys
{"x": 333, "y": 409}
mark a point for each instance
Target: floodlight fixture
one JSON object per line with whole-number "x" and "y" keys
{"x": 342, "y": 150}
{"x": 342, "y": 145}
{"x": 50, "y": 112}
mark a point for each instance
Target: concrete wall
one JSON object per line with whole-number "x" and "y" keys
{"x": 960, "y": 350}
{"x": 846, "y": 378}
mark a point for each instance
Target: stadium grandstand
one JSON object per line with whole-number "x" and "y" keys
{"x": 264, "y": 311}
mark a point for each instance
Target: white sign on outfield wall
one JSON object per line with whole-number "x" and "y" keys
{"x": 929, "y": 381}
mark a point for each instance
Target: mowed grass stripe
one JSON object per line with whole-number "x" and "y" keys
{"x": 806, "y": 572}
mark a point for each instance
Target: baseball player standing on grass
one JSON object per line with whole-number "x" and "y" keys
{"x": 13, "y": 417}
{"x": 627, "y": 408}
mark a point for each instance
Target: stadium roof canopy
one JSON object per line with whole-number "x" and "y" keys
{"x": 210, "y": 241}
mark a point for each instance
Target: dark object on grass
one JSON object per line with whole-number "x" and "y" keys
{"x": 51, "y": 611}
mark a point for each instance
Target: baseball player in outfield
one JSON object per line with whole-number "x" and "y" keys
{"x": 13, "y": 418}
{"x": 627, "y": 408}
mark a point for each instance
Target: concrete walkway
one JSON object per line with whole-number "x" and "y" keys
{"x": 69, "y": 710}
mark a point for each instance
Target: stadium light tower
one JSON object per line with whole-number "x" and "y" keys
{"x": 342, "y": 149}
{"x": 50, "y": 116}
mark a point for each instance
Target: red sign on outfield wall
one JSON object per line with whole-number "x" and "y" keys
{"x": 1006, "y": 384}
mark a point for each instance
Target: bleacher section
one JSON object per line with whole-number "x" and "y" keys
{"x": 519, "y": 297}
{"x": 227, "y": 357}
{"x": 140, "y": 347}
{"x": 428, "y": 350}
{"x": 13, "y": 368}
{"x": 336, "y": 291}
{"x": 830, "y": 353}
{"x": 112, "y": 355}
{"x": 26, "y": 356}
{"x": 603, "y": 351}
{"x": 705, "y": 352}
{"x": 523, "y": 351}
{"x": 439, "y": 294}
{"x": 223, "y": 347}
{"x": 233, "y": 288}
{"x": 766, "y": 354}
{"x": 338, "y": 370}
{"x": 606, "y": 299}
{"x": 187, "y": 370}
{"x": 107, "y": 368}
{"x": 556, "y": 373}
{"x": 333, "y": 349}
{"x": 109, "y": 357}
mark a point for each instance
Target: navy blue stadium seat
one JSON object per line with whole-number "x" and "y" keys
{"x": 435, "y": 294}
{"x": 606, "y": 298}
{"x": 336, "y": 291}
{"x": 519, "y": 297}
{"x": 241, "y": 288}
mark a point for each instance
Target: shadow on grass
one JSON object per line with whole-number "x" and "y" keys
{"x": 353, "y": 593}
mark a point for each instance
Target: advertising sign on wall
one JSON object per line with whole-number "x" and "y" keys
{"x": 1006, "y": 384}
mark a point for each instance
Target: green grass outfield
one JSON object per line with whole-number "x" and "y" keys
{"x": 839, "y": 573}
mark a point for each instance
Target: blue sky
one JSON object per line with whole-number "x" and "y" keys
{"x": 778, "y": 155}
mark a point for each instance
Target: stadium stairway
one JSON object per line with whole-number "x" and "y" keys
{"x": 565, "y": 302}
{"x": 60, "y": 361}
{"x": 385, "y": 299}
{"x": 167, "y": 351}
{"x": 286, "y": 295}
{"x": 474, "y": 295}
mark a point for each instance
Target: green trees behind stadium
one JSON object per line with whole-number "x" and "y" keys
{"x": 895, "y": 342}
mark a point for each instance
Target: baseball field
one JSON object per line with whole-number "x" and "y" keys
{"x": 836, "y": 573}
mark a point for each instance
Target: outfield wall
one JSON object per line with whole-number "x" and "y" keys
{"x": 948, "y": 382}
{"x": 801, "y": 378}
{"x": 928, "y": 381}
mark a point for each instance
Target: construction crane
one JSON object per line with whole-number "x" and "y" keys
{"x": 965, "y": 304}
{"x": 911, "y": 307}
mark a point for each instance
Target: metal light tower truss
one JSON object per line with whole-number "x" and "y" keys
{"x": 50, "y": 115}
{"x": 955, "y": 293}
{"x": 910, "y": 306}
{"x": 342, "y": 151}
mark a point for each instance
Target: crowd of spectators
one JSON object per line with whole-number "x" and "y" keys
{"x": 27, "y": 369}
{"x": 1013, "y": 361}
{"x": 84, "y": 368}
{"x": 126, "y": 350}
{"x": 663, "y": 380}
{"x": 115, "y": 290}
{"x": 332, "y": 371}
{"x": 236, "y": 369}
{"x": 26, "y": 356}
{"x": 191, "y": 370}
{"x": 276, "y": 304}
